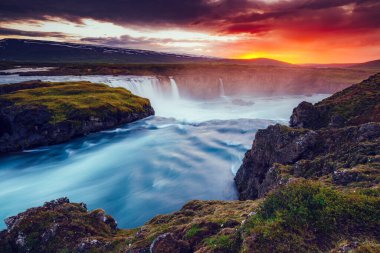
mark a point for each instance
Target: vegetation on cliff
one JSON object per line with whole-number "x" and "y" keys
{"x": 355, "y": 105}
{"x": 39, "y": 113}
{"x": 305, "y": 216}
{"x": 62, "y": 99}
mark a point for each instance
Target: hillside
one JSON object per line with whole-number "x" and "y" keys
{"x": 368, "y": 65}
{"x": 260, "y": 62}
{"x": 37, "y": 51}
{"x": 303, "y": 188}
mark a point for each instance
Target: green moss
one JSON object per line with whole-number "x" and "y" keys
{"x": 305, "y": 216}
{"x": 374, "y": 192}
{"x": 193, "y": 231}
{"x": 358, "y": 103}
{"x": 225, "y": 242}
{"x": 82, "y": 99}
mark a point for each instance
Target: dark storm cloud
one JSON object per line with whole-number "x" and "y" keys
{"x": 15, "y": 32}
{"x": 309, "y": 16}
{"x": 229, "y": 16}
{"x": 117, "y": 11}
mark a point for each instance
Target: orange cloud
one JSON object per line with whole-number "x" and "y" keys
{"x": 297, "y": 31}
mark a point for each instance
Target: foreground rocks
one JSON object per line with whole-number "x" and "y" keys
{"x": 61, "y": 226}
{"x": 302, "y": 216}
{"x": 58, "y": 224}
{"x": 39, "y": 113}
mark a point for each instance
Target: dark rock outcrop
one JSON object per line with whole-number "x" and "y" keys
{"x": 306, "y": 115}
{"x": 36, "y": 113}
{"x": 355, "y": 105}
{"x": 338, "y": 138}
{"x": 42, "y": 229}
{"x": 61, "y": 226}
{"x": 276, "y": 144}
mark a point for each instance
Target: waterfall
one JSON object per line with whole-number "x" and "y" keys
{"x": 144, "y": 86}
{"x": 174, "y": 88}
{"x": 164, "y": 96}
{"x": 221, "y": 87}
{"x": 148, "y": 87}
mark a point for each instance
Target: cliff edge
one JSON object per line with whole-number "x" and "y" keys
{"x": 336, "y": 141}
{"x": 39, "y": 113}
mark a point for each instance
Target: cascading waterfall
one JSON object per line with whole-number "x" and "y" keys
{"x": 165, "y": 99}
{"x": 221, "y": 87}
{"x": 174, "y": 88}
{"x": 149, "y": 87}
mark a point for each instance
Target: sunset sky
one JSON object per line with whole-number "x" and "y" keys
{"x": 297, "y": 31}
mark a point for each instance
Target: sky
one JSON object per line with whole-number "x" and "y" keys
{"x": 296, "y": 31}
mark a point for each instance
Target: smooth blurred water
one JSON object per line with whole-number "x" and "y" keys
{"x": 190, "y": 150}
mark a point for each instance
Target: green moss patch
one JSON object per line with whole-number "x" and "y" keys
{"x": 357, "y": 104}
{"x": 70, "y": 100}
{"x": 221, "y": 242}
{"x": 306, "y": 217}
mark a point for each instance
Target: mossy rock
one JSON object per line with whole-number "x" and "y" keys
{"x": 39, "y": 113}
{"x": 66, "y": 100}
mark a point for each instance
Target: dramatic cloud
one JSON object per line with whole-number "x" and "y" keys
{"x": 15, "y": 32}
{"x": 294, "y": 30}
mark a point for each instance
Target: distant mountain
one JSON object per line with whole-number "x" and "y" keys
{"x": 328, "y": 65}
{"x": 263, "y": 62}
{"x": 37, "y": 51}
{"x": 368, "y": 65}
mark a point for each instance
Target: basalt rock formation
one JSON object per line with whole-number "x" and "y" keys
{"x": 337, "y": 139}
{"x": 39, "y": 113}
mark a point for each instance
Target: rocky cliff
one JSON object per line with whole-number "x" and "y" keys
{"x": 355, "y": 105}
{"x": 314, "y": 188}
{"x": 336, "y": 140}
{"x": 41, "y": 113}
